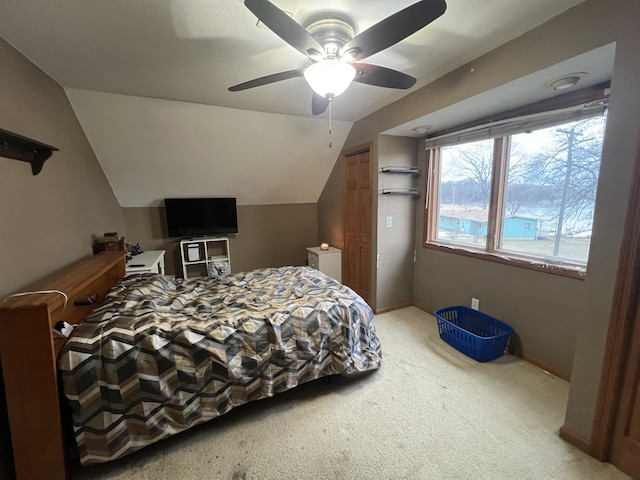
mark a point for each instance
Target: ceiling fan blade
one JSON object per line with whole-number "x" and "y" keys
{"x": 275, "y": 77}
{"x": 318, "y": 104}
{"x": 382, "y": 76}
{"x": 284, "y": 26}
{"x": 392, "y": 29}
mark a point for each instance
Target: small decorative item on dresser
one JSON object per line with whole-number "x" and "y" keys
{"x": 324, "y": 246}
{"x": 134, "y": 249}
{"x": 109, "y": 242}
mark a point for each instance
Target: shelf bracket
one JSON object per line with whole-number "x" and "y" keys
{"x": 21, "y": 148}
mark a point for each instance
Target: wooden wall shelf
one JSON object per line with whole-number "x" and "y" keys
{"x": 25, "y": 149}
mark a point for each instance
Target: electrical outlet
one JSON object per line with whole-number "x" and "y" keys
{"x": 475, "y": 303}
{"x": 389, "y": 222}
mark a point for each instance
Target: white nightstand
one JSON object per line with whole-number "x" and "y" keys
{"x": 151, "y": 261}
{"x": 328, "y": 262}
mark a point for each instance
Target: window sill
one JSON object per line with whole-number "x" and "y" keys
{"x": 565, "y": 269}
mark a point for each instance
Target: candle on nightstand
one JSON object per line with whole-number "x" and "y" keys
{"x": 324, "y": 246}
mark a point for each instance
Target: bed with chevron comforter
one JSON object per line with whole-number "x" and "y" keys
{"x": 164, "y": 354}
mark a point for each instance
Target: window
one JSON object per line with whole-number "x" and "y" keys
{"x": 465, "y": 177}
{"x": 526, "y": 197}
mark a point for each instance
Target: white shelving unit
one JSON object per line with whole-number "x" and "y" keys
{"x": 205, "y": 256}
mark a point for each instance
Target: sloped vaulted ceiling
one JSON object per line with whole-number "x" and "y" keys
{"x": 149, "y": 81}
{"x": 152, "y": 149}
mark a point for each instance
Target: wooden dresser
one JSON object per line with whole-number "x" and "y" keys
{"x": 29, "y": 360}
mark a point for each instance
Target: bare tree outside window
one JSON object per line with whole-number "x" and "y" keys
{"x": 468, "y": 167}
{"x": 555, "y": 182}
{"x": 547, "y": 204}
{"x": 465, "y": 187}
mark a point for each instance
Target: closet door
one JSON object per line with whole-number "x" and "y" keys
{"x": 357, "y": 201}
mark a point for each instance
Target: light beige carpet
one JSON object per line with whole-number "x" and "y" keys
{"x": 429, "y": 413}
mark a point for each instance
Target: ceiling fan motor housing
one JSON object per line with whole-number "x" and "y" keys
{"x": 332, "y": 34}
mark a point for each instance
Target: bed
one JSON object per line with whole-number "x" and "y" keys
{"x": 160, "y": 355}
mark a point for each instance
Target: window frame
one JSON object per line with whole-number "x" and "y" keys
{"x": 497, "y": 197}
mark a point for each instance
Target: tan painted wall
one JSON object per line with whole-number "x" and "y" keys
{"x": 393, "y": 283}
{"x": 330, "y": 209}
{"x": 269, "y": 235}
{"x": 46, "y": 221}
{"x": 394, "y": 278}
{"x": 562, "y": 322}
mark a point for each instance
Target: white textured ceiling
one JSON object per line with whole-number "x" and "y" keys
{"x": 194, "y": 50}
{"x": 148, "y": 80}
{"x": 593, "y": 67}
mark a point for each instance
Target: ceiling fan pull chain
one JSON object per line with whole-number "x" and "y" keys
{"x": 330, "y": 142}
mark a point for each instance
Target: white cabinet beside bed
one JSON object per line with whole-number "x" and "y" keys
{"x": 205, "y": 256}
{"x": 150, "y": 261}
{"x": 328, "y": 262}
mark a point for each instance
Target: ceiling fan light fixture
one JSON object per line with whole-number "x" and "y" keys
{"x": 564, "y": 83}
{"x": 421, "y": 129}
{"x": 330, "y": 78}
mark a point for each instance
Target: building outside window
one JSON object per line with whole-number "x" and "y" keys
{"x": 528, "y": 195}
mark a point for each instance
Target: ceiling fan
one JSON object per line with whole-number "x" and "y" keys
{"x": 333, "y": 49}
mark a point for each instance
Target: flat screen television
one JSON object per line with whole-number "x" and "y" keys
{"x": 191, "y": 217}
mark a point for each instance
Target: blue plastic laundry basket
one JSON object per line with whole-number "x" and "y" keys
{"x": 474, "y": 333}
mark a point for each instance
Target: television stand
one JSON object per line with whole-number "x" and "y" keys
{"x": 205, "y": 256}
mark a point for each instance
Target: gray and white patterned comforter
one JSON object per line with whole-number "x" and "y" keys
{"x": 164, "y": 354}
